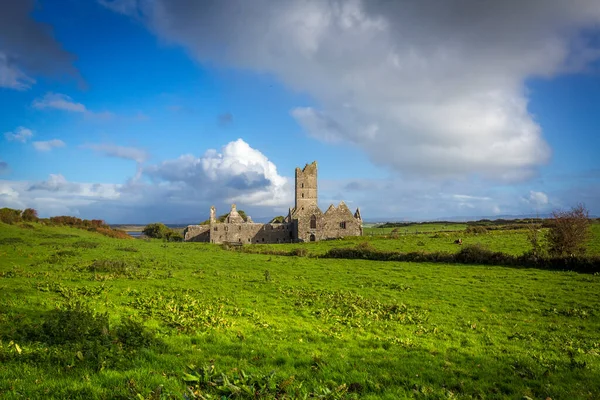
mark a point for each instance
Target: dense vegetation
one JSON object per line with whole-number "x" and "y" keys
{"x": 12, "y": 216}
{"x": 87, "y": 316}
{"x": 161, "y": 231}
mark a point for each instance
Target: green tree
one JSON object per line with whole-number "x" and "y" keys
{"x": 569, "y": 231}
{"x": 173, "y": 236}
{"x": 280, "y": 219}
{"x": 156, "y": 230}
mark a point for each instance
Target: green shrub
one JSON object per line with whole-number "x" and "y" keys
{"x": 474, "y": 254}
{"x": 84, "y": 244}
{"x": 10, "y": 215}
{"x": 155, "y": 231}
{"x": 476, "y": 229}
{"x": 11, "y": 240}
{"x": 75, "y": 323}
{"x": 173, "y": 236}
{"x": 132, "y": 334}
{"x": 299, "y": 252}
{"x": 161, "y": 231}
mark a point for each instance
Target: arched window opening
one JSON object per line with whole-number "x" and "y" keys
{"x": 313, "y": 222}
{"x": 312, "y": 238}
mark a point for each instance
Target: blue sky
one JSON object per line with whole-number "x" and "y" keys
{"x": 136, "y": 111}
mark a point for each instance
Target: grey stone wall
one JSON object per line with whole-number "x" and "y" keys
{"x": 246, "y": 233}
{"x": 339, "y": 222}
{"x": 336, "y": 222}
{"x": 197, "y": 233}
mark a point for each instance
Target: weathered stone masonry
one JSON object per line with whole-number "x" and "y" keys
{"x": 304, "y": 223}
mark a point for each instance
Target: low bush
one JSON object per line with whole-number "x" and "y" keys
{"x": 298, "y": 252}
{"x": 10, "y": 215}
{"x": 476, "y": 230}
{"x": 115, "y": 268}
{"x": 113, "y": 233}
{"x": 11, "y": 240}
{"x": 474, "y": 254}
{"x": 84, "y": 244}
{"x": 75, "y": 335}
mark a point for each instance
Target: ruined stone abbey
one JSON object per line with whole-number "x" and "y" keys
{"x": 304, "y": 223}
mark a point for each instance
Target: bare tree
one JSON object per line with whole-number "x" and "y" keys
{"x": 569, "y": 232}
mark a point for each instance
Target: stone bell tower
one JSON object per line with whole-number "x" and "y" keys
{"x": 306, "y": 187}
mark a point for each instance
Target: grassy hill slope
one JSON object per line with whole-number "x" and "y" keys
{"x": 86, "y": 316}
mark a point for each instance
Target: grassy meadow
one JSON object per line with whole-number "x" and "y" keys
{"x": 84, "y": 316}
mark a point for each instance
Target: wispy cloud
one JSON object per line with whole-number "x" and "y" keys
{"x": 59, "y": 101}
{"x": 48, "y": 144}
{"x": 464, "y": 197}
{"x": 63, "y": 102}
{"x": 21, "y": 134}
{"x": 112, "y": 150}
{"x": 126, "y": 7}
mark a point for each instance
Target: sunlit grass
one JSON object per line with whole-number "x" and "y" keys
{"x": 296, "y": 326}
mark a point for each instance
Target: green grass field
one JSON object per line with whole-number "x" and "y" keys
{"x": 86, "y": 316}
{"x": 415, "y": 228}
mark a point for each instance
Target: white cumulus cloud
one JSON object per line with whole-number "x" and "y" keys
{"x": 179, "y": 190}
{"x": 239, "y": 173}
{"x": 424, "y": 87}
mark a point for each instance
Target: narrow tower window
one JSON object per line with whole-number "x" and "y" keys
{"x": 313, "y": 222}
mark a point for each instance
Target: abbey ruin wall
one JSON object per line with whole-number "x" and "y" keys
{"x": 304, "y": 223}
